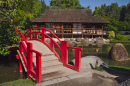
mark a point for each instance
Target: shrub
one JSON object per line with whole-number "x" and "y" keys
{"x": 111, "y": 34}
{"x": 120, "y": 37}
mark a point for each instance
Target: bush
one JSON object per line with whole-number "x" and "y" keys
{"x": 120, "y": 37}
{"x": 111, "y": 34}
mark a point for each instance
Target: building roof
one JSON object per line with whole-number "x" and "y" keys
{"x": 62, "y": 15}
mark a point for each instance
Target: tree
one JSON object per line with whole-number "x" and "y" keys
{"x": 123, "y": 12}
{"x": 113, "y": 11}
{"x": 64, "y": 4}
{"x": 16, "y": 13}
{"x": 127, "y": 15}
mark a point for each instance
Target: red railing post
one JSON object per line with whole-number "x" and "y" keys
{"x": 52, "y": 45}
{"x": 21, "y": 47}
{"x": 20, "y": 64}
{"x": 36, "y": 35}
{"x": 29, "y": 59}
{"x": 43, "y": 35}
{"x": 64, "y": 52}
{"x": 26, "y": 38}
{"x": 77, "y": 59}
{"x": 30, "y": 33}
{"x": 38, "y": 68}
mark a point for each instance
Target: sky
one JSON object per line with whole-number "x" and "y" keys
{"x": 96, "y": 3}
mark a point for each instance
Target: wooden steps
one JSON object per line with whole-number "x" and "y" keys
{"x": 56, "y": 72}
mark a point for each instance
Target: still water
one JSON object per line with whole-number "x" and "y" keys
{"x": 9, "y": 69}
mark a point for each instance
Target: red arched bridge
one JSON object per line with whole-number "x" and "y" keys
{"x": 40, "y": 59}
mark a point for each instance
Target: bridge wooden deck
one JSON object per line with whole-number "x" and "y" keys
{"x": 51, "y": 66}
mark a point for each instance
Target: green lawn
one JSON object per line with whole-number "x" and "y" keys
{"x": 19, "y": 82}
{"x": 127, "y": 39}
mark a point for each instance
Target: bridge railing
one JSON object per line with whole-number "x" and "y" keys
{"x": 26, "y": 51}
{"x": 29, "y": 34}
{"x": 63, "y": 48}
{"x": 64, "y": 56}
{"x": 30, "y": 70}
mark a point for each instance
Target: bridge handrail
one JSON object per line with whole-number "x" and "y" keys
{"x": 21, "y": 35}
{"x": 44, "y": 29}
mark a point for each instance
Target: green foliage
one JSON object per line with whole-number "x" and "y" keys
{"x": 111, "y": 34}
{"x": 120, "y": 68}
{"x": 66, "y": 4}
{"x": 120, "y": 37}
{"x": 119, "y": 17}
{"x": 127, "y": 39}
{"x": 19, "y": 82}
{"x": 21, "y": 12}
{"x": 99, "y": 68}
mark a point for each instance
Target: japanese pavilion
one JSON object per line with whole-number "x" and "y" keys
{"x": 71, "y": 23}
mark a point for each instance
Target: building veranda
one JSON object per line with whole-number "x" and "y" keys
{"x": 71, "y": 23}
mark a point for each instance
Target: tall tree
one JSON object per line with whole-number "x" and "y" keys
{"x": 113, "y": 11}
{"x": 64, "y": 4}
{"x": 127, "y": 15}
{"x": 123, "y": 12}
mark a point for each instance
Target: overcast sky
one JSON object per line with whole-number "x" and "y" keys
{"x": 94, "y": 3}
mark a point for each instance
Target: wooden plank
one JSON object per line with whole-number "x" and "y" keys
{"x": 46, "y": 58}
{"x": 58, "y": 72}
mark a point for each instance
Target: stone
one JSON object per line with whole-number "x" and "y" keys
{"x": 78, "y": 39}
{"x": 99, "y": 40}
{"x": 72, "y": 39}
{"x": 66, "y": 39}
{"x": 89, "y": 61}
{"x": 118, "y": 52}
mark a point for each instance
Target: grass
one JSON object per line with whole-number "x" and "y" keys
{"x": 19, "y": 82}
{"x": 127, "y": 39}
{"x": 99, "y": 68}
{"x": 120, "y": 68}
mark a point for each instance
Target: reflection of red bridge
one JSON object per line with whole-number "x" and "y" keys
{"x": 40, "y": 59}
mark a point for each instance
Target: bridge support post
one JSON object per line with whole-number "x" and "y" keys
{"x": 43, "y": 35}
{"x": 29, "y": 59}
{"x": 64, "y": 52}
{"x": 20, "y": 64}
{"x": 77, "y": 60}
{"x": 38, "y": 68}
{"x": 30, "y": 33}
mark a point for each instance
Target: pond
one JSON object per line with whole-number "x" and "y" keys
{"x": 100, "y": 50}
{"x": 9, "y": 69}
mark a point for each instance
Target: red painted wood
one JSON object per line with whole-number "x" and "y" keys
{"x": 20, "y": 64}
{"x": 38, "y": 68}
{"x": 30, "y": 33}
{"x": 77, "y": 60}
{"x": 43, "y": 35}
{"x": 64, "y": 52}
{"x": 29, "y": 59}
{"x": 36, "y": 35}
{"x": 52, "y": 45}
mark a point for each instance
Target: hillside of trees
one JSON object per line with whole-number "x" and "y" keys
{"x": 119, "y": 17}
{"x": 18, "y": 13}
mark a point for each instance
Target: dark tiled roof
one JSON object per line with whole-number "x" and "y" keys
{"x": 62, "y": 15}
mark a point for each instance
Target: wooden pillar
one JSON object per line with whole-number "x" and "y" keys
{"x": 72, "y": 32}
{"x": 92, "y": 32}
{"x": 82, "y": 31}
{"x": 102, "y": 30}
{"x": 53, "y": 31}
{"x": 62, "y": 31}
